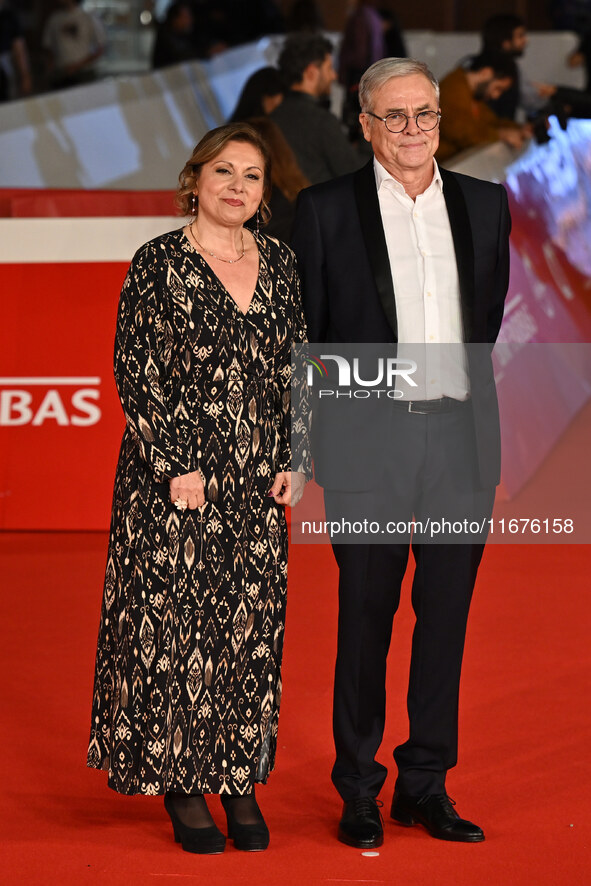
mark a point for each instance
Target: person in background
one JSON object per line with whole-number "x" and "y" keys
{"x": 363, "y": 44}
{"x": 220, "y": 24}
{"x": 313, "y": 133}
{"x": 570, "y": 15}
{"x": 188, "y": 666}
{"x": 174, "y": 36}
{"x": 73, "y": 40}
{"x": 466, "y": 119}
{"x": 393, "y": 37}
{"x": 371, "y": 33}
{"x": 582, "y": 56}
{"x": 261, "y": 94}
{"x": 15, "y": 71}
{"x": 261, "y": 17}
{"x": 305, "y": 15}
{"x": 508, "y": 34}
{"x": 287, "y": 178}
{"x": 211, "y": 30}
{"x": 247, "y": 21}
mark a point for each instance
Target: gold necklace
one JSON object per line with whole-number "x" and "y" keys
{"x": 229, "y": 261}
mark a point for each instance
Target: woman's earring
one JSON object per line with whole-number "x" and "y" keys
{"x": 258, "y": 222}
{"x": 194, "y": 205}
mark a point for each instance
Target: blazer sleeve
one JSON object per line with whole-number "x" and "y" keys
{"x": 501, "y": 281}
{"x": 308, "y": 246}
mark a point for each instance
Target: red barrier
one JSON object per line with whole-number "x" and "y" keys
{"x": 59, "y": 202}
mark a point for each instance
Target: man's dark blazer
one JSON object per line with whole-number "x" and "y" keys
{"x": 348, "y": 292}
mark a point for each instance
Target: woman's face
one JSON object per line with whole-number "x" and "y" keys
{"x": 230, "y": 187}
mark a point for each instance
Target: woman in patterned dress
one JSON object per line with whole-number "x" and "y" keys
{"x": 188, "y": 668}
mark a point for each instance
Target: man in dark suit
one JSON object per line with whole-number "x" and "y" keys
{"x": 403, "y": 252}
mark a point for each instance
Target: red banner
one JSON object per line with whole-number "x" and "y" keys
{"x": 60, "y": 416}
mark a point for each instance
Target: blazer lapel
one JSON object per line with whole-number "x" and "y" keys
{"x": 461, "y": 232}
{"x": 368, "y": 207}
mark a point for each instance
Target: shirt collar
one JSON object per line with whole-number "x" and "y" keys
{"x": 382, "y": 175}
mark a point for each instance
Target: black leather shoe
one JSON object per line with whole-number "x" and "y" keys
{"x": 436, "y": 813}
{"x": 361, "y": 823}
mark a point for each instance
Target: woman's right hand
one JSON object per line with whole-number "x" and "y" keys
{"x": 189, "y": 488}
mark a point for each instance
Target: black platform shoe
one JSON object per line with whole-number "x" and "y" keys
{"x": 252, "y": 837}
{"x": 205, "y": 841}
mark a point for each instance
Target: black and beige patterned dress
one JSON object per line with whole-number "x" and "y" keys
{"x": 188, "y": 668}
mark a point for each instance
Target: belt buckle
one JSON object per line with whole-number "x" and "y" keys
{"x": 415, "y": 411}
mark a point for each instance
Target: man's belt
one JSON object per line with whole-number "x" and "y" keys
{"x": 427, "y": 407}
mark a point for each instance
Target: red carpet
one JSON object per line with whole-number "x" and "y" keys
{"x": 524, "y": 769}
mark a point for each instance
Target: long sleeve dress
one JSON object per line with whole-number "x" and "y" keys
{"x": 188, "y": 667}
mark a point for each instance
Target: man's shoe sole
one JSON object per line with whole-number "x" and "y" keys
{"x": 477, "y": 838}
{"x": 360, "y": 844}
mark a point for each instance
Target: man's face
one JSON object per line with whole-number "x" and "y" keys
{"x": 325, "y": 77}
{"x": 519, "y": 41}
{"x": 409, "y": 150}
{"x": 183, "y": 23}
{"x": 492, "y": 89}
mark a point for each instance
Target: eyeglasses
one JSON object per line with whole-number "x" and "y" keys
{"x": 426, "y": 120}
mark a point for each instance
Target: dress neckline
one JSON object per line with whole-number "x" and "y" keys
{"x": 227, "y": 293}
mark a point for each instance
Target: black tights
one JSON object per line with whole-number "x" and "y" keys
{"x": 193, "y": 812}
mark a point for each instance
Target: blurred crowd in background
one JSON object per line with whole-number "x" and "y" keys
{"x": 50, "y": 45}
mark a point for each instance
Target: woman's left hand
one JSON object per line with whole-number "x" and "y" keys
{"x": 288, "y": 488}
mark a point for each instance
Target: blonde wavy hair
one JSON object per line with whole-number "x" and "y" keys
{"x": 210, "y": 146}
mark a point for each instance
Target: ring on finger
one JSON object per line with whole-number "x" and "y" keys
{"x": 181, "y": 504}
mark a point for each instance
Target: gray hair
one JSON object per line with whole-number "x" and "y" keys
{"x": 386, "y": 68}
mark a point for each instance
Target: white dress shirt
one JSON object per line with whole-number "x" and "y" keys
{"x": 426, "y": 285}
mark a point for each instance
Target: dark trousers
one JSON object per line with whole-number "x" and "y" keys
{"x": 370, "y": 576}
